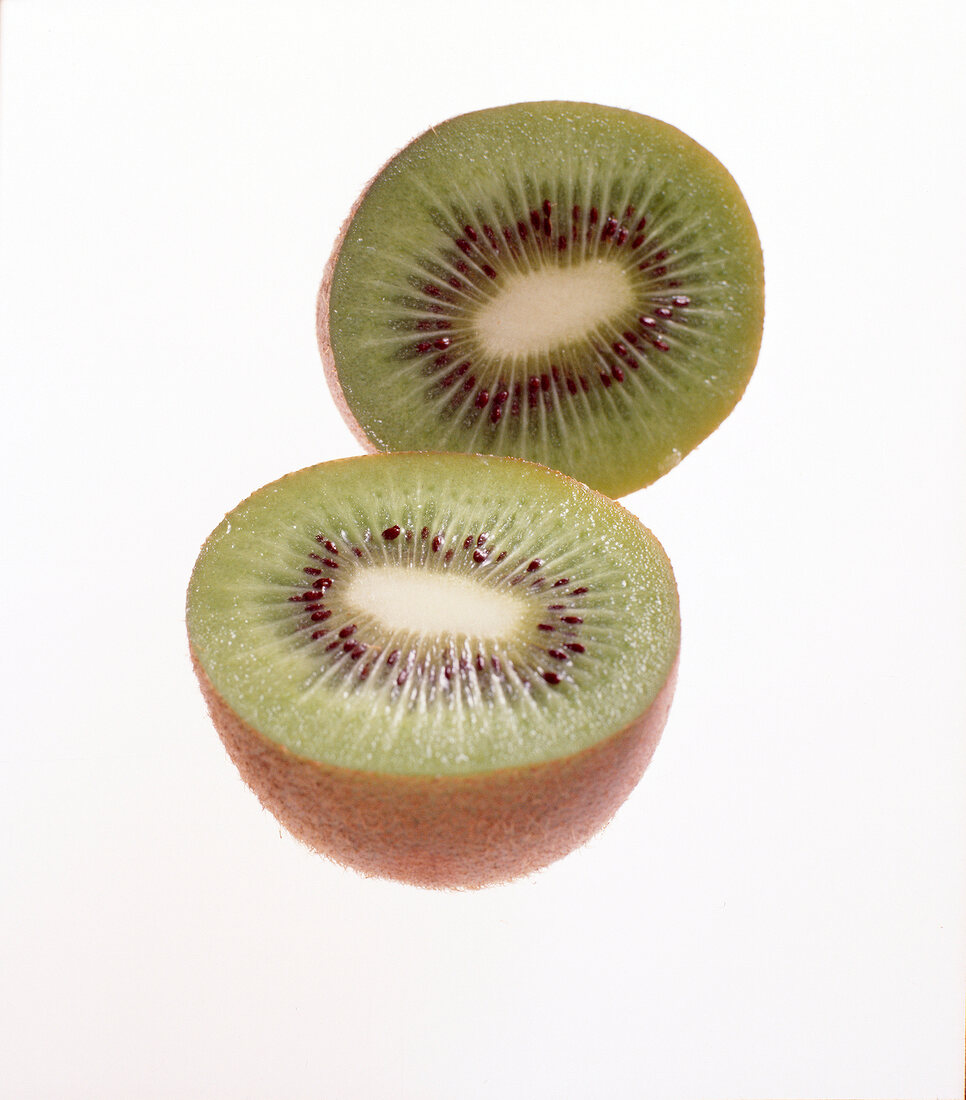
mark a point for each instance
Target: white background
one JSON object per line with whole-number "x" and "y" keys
{"x": 778, "y": 910}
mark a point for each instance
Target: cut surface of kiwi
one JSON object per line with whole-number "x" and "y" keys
{"x": 442, "y": 668}
{"x": 578, "y": 285}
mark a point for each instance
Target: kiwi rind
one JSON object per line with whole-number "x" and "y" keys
{"x": 712, "y": 363}
{"x": 434, "y": 825}
{"x": 443, "y": 831}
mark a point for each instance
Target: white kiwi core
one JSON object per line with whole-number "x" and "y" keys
{"x": 536, "y": 311}
{"x": 434, "y": 604}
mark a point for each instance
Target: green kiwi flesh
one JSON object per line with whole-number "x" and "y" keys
{"x": 577, "y": 285}
{"x": 442, "y": 668}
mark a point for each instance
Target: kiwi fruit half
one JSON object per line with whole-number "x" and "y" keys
{"x": 577, "y": 285}
{"x": 443, "y": 669}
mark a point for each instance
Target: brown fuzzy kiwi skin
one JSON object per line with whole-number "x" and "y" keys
{"x": 322, "y": 325}
{"x": 455, "y": 832}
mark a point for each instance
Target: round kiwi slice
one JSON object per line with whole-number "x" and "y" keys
{"x": 443, "y": 669}
{"x": 577, "y": 285}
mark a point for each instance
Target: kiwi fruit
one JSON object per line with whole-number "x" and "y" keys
{"x": 443, "y": 669}
{"x": 572, "y": 284}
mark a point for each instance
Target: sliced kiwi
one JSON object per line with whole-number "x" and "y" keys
{"x": 576, "y": 285}
{"x": 444, "y": 669}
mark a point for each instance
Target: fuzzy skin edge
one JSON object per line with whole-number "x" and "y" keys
{"x": 444, "y": 832}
